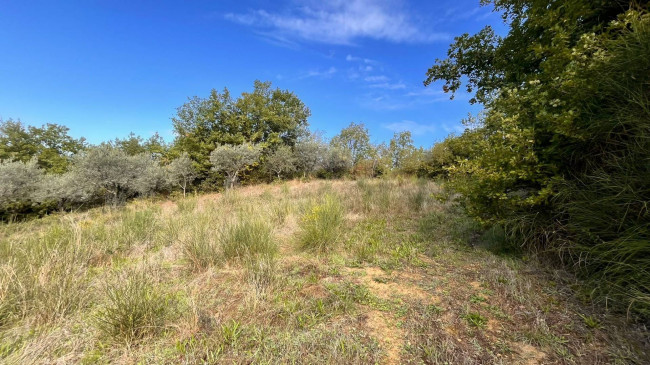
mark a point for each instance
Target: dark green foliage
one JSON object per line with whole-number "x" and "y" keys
{"x": 50, "y": 144}
{"x": 268, "y": 117}
{"x": 560, "y": 157}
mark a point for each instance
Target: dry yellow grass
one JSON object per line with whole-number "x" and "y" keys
{"x": 398, "y": 287}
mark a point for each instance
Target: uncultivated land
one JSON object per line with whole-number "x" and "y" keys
{"x": 381, "y": 271}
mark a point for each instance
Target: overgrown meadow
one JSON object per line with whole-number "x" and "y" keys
{"x": 369, "y": 271}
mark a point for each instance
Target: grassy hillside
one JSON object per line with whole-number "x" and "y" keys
{"x": 378, "y": 271}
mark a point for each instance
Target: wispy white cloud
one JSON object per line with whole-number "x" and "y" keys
{"x": 323, "y": 74}
{"x": 426, "y": 91}
{"x": 389, "y": 85}
{"x": 397, "y": 96}
{"x": 351, "y": 58}
{"x": 379, "y": 78}
{"x": 341, "y": 22}
{"x": 417, "y": 129}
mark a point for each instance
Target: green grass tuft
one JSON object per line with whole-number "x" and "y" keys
{"x": 321, "y": 225}
{"x": 133, "y": 310}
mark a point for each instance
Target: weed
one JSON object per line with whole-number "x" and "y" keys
{"x": 476, "y": 299}
{"x": 321, "y": 225}
{"x": 475, "y": 319}
{"x": 590, "y": 321}
{"x": 231, "y": 332}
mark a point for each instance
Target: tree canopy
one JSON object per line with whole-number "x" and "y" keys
{"x": 559, "y": 157}
{"x": 233, "y": 159}
{"x": 354, "y": 140}
{"x": 50, "y": 144}
{"x": 266, "y": 117}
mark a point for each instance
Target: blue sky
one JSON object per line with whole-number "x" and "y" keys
{"x": 108, "y": 67}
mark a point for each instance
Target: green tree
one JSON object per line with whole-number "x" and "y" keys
{"x": 437, "y": 160}
{"x": 281, "y": 161}
{"x": 401, "y": 148}
{"x": 559, "y": 158}
{"x": 131, "y": 145}
{"x": 309, "y": 153}
{"x": 233, "y": 159}
{"x": 266, "y": 117}
{"x": 182, "y": 171}
{"x": 354, "y": 140}
{"x": 156, "y": 146}
{"x": 50, "y": 144}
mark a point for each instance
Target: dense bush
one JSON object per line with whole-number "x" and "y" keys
{"x": 336, "y": 163}
{"x": 98, "y": 174}
{"x": 116, "y": 176}
{"x": 234, "y": 159}
{"x": 19, "y": 182}
{"x": 182, "y": 172}
{"x": 309, "y": 153}
{"x": 560, "y": 156}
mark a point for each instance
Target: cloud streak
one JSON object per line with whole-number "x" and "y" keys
{"x": 341, "y": 22}
{"x": 323, "y": 74}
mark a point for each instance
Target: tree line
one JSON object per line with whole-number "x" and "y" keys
{"x": 220, "y": 142}
{"x": 560, "y": 158}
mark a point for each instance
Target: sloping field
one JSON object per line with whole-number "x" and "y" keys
{"x": 337, "y": 272}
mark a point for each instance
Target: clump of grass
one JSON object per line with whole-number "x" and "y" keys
{"x": 439, "y": 351}
{"x": 418, "y": 198}
{"x": 231, "y": 197}
{"x": 231, "y": 332}
{"x": 280, "y": 211}
{"x": 170, "y": 231}
{"x": 374, "y": 195}
{"x": 45, "y": 276}
{"x": 133, "y": 310}
{"x": 247, "y": 238}
{"x": 136, "y": 227}
{"x": 475, "y": 319}
{"x": 476, "y": 299}
{"x": 367, "y": 240}
{"x": 186, "y": 205}
{"x": 321, "y": 225}
{"x": 261, "y": 274}
{"x": 434, "y": 309}
{"x": 285, "y": 189}
{"x": 591, "y": 321}
{"x": 200, "y": 249}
